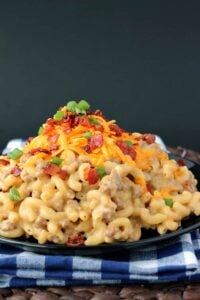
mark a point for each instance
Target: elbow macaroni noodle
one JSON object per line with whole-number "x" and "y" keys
{"x": 149, "y": 191}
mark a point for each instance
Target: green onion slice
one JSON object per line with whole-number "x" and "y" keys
{"x": 59, "y": 115}
{"x": 40, "y": 130}
{"x": 168, "y": 202}
{"x": 83, "y": 105}
{"x": 57, "y": 161}
{"x": 79, "y": 108}
{"x": 94, "y": 121}
{"x": 87, "y": 135}
{"x": 129, "y": 143}
{"x": 101, "y": 172}
{"x": 14, "y": 194}
{"x": 71, "y": 106}
{"x": 15, "y": 154}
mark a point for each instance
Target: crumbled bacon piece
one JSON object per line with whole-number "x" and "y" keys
{"x": 98, "y": 112}
{"x": 63, "y": 174}
{"x": 96, "y": 141}
{"x": 49, "y": 127}
{"x": 4, "y": 162}
{"x": 29, "y": 139}
{"x": 39, "y": 149}
{"x": 70, "y": 121}
{"x": 51, "y": 169}
{"x": 16, "y": 171}
{"x": 126, "y": 149}
{"x": 84, "y": 121}
{"x": 99, "y": 128}
{"x": 149, "y": 187}
{"x": 92, "y": 176}
{"x": 53, "y": 147}
{"x": 87, "y": 149}
{"x": 147, "y": 137}
{"x": 76, "y": 240}
{"x": 51, "y": 122}
{"x": 118, "y": 131}
{"x": 181, "y": 162}
{"x": 53, "y": 138}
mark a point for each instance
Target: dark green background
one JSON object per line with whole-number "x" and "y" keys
{"x": 139, "y": 61}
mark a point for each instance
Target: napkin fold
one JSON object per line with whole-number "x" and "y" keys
{"x": 173, "y": 260}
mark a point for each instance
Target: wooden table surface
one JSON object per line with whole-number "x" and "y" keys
{"x": 166, "y": 291}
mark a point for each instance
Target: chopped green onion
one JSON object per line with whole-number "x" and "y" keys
{"x": 87, "y": 135}
{"x": 59, "y": 115}
{"x": 79, "y": 108}
{"x": 14, "y": 194}
{"x": 129, "y": 143}
{"x": 71, "y": 106}
{"x": 83, "y": 105}
{"x": 101, "y": 172}
{"x": 15, "y": 154}
{"x": 40, "y": 131}
{"x": 168, "y": 202}
{"x": 79, "y": 111}
{"x": 94, "y": 121}
{"x": 57, "y": 161}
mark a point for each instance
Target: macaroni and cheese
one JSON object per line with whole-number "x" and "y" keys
{"x": 85, "y": 181}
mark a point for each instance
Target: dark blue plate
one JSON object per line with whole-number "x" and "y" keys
{"x": 149, "y": 237}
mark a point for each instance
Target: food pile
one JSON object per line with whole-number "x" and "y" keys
{"x": 83, "y": 180}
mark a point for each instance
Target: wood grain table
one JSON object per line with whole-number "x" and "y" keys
{"x": 166, "y": 291}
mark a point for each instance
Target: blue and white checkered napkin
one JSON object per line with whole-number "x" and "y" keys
{"x": 175, "y": 259}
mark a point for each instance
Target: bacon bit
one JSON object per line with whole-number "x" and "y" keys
{"x": 149, "y": 138}
{"x": 99, "y": 128}
{"x": 98, "y": 112}
{"x": 96, "y": 141}
{"x": 53, "y": 147}
{"x": 51, "y": 122}
{"x": 48, "y": 129}
{"x": 70, "y": 121}
{"x": 87, "y": 149}
{"x": 63, "y": 174}
{"x": 39, "y": 149}
{"x": 118, "y": 131}
{"x": 127, "y": 149}
{"x": 51, "y": 169}
{"x": 16, "y": 171}
{"x": 92, "y": 176}
{"x": 53, "y": 138}
{"x": 132, "y": 153}
{"x": 76, "y": 240}
{"x": 149, "y": 187}
{"x": 84, "y": 121}
{"x": 181, "y": 162}
{"x": 76, "y": 121}
{"x": 68, "y": 130}
{"x": 29, "y": 139}
{"x": 4, "y": 162}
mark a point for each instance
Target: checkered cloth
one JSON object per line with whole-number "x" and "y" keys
{"x": 172, "y": 260}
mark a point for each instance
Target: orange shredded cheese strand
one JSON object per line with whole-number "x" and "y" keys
{"x": 73, "y": 139}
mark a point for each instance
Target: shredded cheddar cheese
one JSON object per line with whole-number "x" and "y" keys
{"x": 107, "y": 142}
